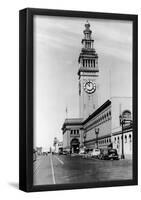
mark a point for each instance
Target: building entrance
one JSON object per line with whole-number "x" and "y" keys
{"x": 75, "y": 146}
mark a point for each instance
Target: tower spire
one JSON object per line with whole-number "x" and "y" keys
{"x": 88, "y": 59}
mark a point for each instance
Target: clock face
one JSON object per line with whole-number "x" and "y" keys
{"x": 89, "y": 87}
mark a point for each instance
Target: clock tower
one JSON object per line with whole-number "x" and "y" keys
{"x": 88, "y": 75}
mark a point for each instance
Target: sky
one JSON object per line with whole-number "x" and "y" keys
{"x": 57, "y": 45}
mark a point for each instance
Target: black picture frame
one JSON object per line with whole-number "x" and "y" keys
{"x": 26, "y": 111}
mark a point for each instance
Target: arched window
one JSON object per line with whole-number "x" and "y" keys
{"x": 130, "y": 140}
{"x": 126, "y": 114}
{"x": 125, "y": 138}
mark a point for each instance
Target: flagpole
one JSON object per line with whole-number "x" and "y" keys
{"x": 66, "y": 112}
{"x": 109, "y": 83}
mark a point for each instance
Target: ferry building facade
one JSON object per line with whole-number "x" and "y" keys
{"x": 97, "y": 126}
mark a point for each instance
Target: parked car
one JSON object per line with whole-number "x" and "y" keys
{"x": 95, "y": 153}
{"x": 109, "y": 154}
{"x": 60, "y": 153}
{"x": 45, "y": 153}
{"x": 65, "y": 152}
{"x": 81, "y": 152}
{"x": 88, "y": 154}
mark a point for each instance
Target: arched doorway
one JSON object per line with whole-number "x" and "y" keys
{"x": 74, "y": 145}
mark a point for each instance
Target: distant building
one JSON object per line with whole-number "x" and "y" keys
{"x": 55, "y": 144}
{"x": 39, "y": 150}
{"x": 58, "y": 146}
{"x": 97, "y": 127}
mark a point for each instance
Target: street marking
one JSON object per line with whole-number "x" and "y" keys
{"x": 53, "y": 176}
{"x": 59, "y": 160}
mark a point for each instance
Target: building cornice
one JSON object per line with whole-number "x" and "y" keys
{"x": 99, "y": 138}
{"x": 101, "y": 108}
{"x": 72, "y": 122}
{"x": 84, "y": 69}
{"x": 125, "y": 130}
{"x": 80, "y": 121}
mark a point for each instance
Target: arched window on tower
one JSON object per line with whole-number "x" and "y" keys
{"x": 94, "y": 63}
{"x": 89, "y": 63}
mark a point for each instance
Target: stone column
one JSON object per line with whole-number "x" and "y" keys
{"x": 89, "y": 63}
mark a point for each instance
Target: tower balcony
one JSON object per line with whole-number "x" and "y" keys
{"x": 88, "y": 54}
{"x": 89, "y": 39}
{"x": 89, "y": 51}
{"x": 87, "y": 69}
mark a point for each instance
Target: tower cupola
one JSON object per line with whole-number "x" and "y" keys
{"x": 88, "y": 58}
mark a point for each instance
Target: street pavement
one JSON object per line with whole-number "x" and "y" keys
{"x": 60, "y": 169}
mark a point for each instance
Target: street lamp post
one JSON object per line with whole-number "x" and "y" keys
{"x": 97, "y": 132}
{"x": 122, "y": 122}
{"x": 84, "y": 135}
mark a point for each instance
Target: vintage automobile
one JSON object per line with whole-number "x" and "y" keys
{"x": 45, "y": 153}
{"x": 109, "y": 154}
{"x": 88, "y": 153}
{"x": 82, "y": 152}
{"x": 65, "y": 153}
{"x": 95, "y": 153}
